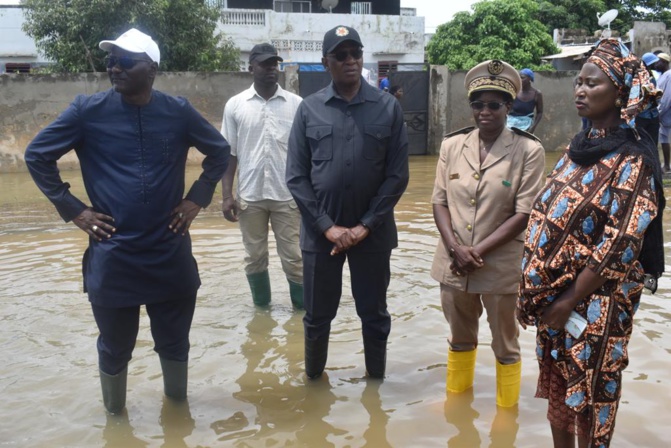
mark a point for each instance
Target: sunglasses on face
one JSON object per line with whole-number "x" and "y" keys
{"x": 125, "y": 62}
{"x": 491, "y": 105}
{"x": 342, "y": 55}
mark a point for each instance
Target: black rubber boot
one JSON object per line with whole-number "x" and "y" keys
{"x": 296, "y": 293}
{"x": 175, "y": 377}
{"x": 114, "y": 390}
{"x": 259, "y": 283}
{"x": 316, "y": 352}
{"x": 375, "y": 352}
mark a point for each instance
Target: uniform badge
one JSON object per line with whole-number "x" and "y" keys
{"x": 495, "y": 67}
{"x": 341, "y": 31}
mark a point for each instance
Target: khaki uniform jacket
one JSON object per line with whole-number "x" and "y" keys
{"x": 480, "y": 198}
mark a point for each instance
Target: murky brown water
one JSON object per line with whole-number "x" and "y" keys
{"x": 247, "y": 387}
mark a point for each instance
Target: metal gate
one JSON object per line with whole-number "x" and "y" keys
{"x": 311, "y": 82}
{"x": 413, "y": 78}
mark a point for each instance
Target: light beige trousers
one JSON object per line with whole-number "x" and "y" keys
{"x": 285, "y": 220}
{"x": 463, "y": 310}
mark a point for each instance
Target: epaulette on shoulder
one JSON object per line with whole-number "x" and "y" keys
{"x": 460, "y": 131}
{"x": 525, "y": 134}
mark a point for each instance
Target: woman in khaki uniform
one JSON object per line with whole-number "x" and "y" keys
{"x": 486, "y": 180}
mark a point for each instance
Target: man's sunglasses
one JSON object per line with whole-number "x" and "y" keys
{"x": 342, "y": 55}
{"x": 491, "y": 105}
{"x": 124, "y": 62}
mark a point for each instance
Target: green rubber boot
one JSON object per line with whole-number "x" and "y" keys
{"x": 259, "y": 283}
{"x": 114, "y": 390}
{"x": 175, "y": 377}
{"x": 296, "y": 293}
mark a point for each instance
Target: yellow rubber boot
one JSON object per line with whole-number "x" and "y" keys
{"x": 508, "y": 381}
{"x": 460, "y": 370}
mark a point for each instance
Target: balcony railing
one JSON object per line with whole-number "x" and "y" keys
{"x": 362, "y": 7}
{"x": 292, "y": 6}
{"x": 243, "y": 17}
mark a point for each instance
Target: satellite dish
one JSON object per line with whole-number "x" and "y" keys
{"x": 329, "y": 4}
{"x": 607, "y": 17}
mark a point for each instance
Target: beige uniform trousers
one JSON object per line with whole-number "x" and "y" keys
{"x": 463, "y": 310}
{"x": 285, "y": 220}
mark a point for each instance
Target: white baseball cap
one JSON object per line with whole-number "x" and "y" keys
{"x": 134, "y": 41}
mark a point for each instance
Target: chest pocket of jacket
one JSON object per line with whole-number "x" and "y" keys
{"x": 376, "y": 140}
{"x": 320, "y": 139}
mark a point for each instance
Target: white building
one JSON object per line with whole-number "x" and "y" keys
{"x": 17, "y": 49}
{"x": 391, "y": 35}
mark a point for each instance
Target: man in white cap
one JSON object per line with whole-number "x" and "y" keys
{"x": 257, "y": 123}
{"x": 132, "y": 143}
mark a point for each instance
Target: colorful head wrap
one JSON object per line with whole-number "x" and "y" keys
{"x": 629, "y": 74}
{"x": 528, "y": 73}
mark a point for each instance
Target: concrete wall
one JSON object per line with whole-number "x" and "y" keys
{"x": 30, "y": 102}
{"x": 560, "y": 119}
{"x": 649, "y": 36}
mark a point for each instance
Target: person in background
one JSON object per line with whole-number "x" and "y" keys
{"x": 662, "y": 65}
{"x": 397, "y": 91}
{"x": 648, "y": 120}
{"x": 594, "y": 239}
{"x": 257, "y": 123}
{"x": 664, "y": 84}
{"x": 132, "y": 143}
{"x": 384, "y": 84}
{"x": 347, "y": 168}
{"x": 486, "y": 180}
{"x": 527, "y": 110}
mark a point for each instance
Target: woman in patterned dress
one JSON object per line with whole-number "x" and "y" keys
{"x": 593, "y": 238}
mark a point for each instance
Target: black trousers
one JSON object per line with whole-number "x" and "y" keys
{"x": 170, "y": 326}
{"x": 322, "y": 283}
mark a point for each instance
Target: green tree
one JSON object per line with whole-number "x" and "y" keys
{"x": 496, "y": 29}
{"x": 573, "y": 14}
{"x": 583, "y": 13}
{"x": 68, "y": 32}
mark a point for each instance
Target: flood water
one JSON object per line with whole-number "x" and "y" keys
{"x": 247, "y": 387}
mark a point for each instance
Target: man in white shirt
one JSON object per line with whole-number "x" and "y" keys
{"x": 257, "y": 123}
{"x": 664, "y": 84}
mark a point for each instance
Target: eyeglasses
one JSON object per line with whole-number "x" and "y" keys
{"x": 341, "y": 55}
{"x": 491, "y": 105}
{"x": 124, "y": 62}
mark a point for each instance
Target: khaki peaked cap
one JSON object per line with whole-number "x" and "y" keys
{"x": 493, "y": 75}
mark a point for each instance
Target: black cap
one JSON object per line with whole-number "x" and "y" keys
{"x": 338, "y": 35}
{"x": 263, "y": 52}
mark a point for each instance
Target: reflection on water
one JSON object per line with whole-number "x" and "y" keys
{"x": 246, "y": 381}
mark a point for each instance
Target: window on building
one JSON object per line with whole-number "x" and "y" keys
{"x": 17, "y": 67}
{"x": 292, "y": 6}
{"x": 362, "y": 7}
{"x": 384, "y": 67}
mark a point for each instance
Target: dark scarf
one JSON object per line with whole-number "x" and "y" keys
{"x": 588, "y": 151}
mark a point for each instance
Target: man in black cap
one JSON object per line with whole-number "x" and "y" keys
{"x": 347, "y": 168}
{"x": 257, "y": 123}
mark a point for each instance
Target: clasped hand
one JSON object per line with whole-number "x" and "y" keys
{"x": 465, "y": 259}
{"x": 345, "y": 237}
